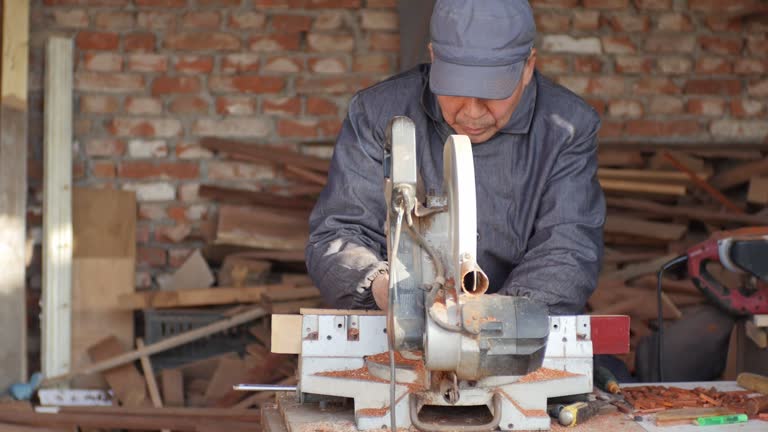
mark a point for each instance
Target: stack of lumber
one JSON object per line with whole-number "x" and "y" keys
{"x": 661, "y": 202}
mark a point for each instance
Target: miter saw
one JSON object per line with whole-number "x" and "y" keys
{"x": 443, "y": 341}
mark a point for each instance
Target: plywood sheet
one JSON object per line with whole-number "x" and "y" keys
{"x": 104, "y": 223}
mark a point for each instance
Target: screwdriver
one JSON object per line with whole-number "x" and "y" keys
{"x": 579, "y": 412}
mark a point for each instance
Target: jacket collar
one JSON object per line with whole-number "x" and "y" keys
{"x": 519, "y": 123}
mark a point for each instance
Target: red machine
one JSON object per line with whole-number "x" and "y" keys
{"x": 742, "y": 251}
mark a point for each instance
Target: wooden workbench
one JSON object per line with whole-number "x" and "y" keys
{"x": 287, "y": 415}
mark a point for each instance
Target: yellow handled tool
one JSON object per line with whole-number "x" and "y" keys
{"x": 579, "y": 412}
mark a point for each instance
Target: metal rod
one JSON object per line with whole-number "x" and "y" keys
{"x": 264, "y": 387}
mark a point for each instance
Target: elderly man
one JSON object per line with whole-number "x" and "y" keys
{"x": 540, "y": 207}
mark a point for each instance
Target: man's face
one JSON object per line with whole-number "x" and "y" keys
{"x": 480, "y": 119}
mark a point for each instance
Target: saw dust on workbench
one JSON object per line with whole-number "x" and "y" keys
{"x": 648, "y": 399}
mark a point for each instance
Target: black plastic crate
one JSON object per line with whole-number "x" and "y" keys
{"x": 160, "y": 324}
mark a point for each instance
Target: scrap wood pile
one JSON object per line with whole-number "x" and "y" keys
{"x": 660, "y": 202}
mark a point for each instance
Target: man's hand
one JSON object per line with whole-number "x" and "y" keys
{"x": 380, "y": 290}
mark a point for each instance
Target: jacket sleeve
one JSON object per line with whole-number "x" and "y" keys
{"x": 562, "y": 261}
{"x": 347, "y": 242}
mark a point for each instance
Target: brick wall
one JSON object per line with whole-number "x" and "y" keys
{"x": 155, "y": 75}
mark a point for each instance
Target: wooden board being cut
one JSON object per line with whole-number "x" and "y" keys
{"x": 96, "y": 313}
{"x": 261, "y": 228}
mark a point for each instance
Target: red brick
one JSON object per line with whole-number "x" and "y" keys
{"x": 576, "y": 84}
{"x": 611, "y": 129}
{"x": 291, "y": 23}
{"x": 721, "y": 44}
{"x": 104, "y": 147}
{"x": 713, "y": 65}
{"x": 139, "y": 42}
{"x": 201, "y": 19}
{"x": 552, "y": 22}
{"x": 719, "y": 7}
{"x": 103, "y": 169}
{"x": 723, "y": 23}
{"x": 665, "y": 105}
{"x": 654, "y": 86}
{"x": 74, "y": 18}
{"x": 91, "y": 40}
{"x": 224, "y": 3}
{"x": 282, "y": 65}
{"x": 618, "y": 45}
{"x": 189, "y": 105}
{"x": 157, "y": 20}
{"x": 319, "y": 106}
{"x": 332, "y": 4}
{"x": 290, "y": 128}
{"x": 142, "y": 233}
{"x": 99, "y": 104}
{"x": 598, "y": 104}
{"x": 124, "y": 126}
{"x": 587, "y": 64}
{"x": 552, "y": 64}
{"x": 247, "y": 20}
{"x": 329, "y": 20}
{"x": 675, "y": 65}
{"x": 203, "y": 41}
{"x": 181, "y": 84}
{"x": 675, "y": 22}
{"x": 102, "y": 62}
{"x": 371, "y": 19}
{"x": 193, "y": 64}
{"x": 706, "y": 107}
{"x": 334, "y": 85}
{"x": 279, "y": 3}
{"x": 653, "y": 4}
{"x": 629, "y": 23}
{"x": 606, "y": 86}
{"x": 162, "y": 170}
{"x": 87, "y": 2}
{"x": 606, "y": 4}
{"x": 147, "y": 63}
{"x": 226, "y": 170}
{"x": 713, "y": 86}
{"x": 374, "y": 63}
{"x": 108, "y": 82}
{"x": 143, "y": 105}
{"x": 191, "y": 151}
{"x": 758, "y": 88}
{"x": 757, "y": 45}
{"x": 381, "y": 3}
{"x": 750, "y": 66}
{"x": 246, "y": 84}
{"x": 746, "y": 108}
{"x": 281, "y": 105}
{"x": 115, "y": 20}
{"x": 150, "y": 256}
{"x": 384, "y": 42}
{"x": 670, "y": 44}
{"x": 321, "y": 42}
{"x": 625, "y": 108}
{"x": 329, "y": 128}
{"x": 671, "y": 128}
{"x": 328, "y": 65}
{"x": 233, "y": 127}
{"x": 162, "y": 3}
{"x": 557, "y": 4}
{"x": 240, "y": 63}
{"x": 275, "y": 42}
{"x": 147, "y": 149}
{"x": 235, "y": 105}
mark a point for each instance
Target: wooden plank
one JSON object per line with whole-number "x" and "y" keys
{"x": 125, "y": 381}
{"x": 149, "y": 376}
{"x": 182, "y": 423}
{"x": 620, "y": 158}
{"x": 610, "y": 185}
{"x": 238, "y": 270}
{"x": 739, "y": 174}
{"x": 56, "y": 317}
{"x": 286, "y": 334}
{"x": 194, "y": 273}
{"x": 636, "y": 270}
{"x": 617, "y": 224}
{"x": 656, "y": 176}
{"x": 758, "y": 190}
{"x": 13, "y": 190}
{"x": 100, "y": 211}
{"x": 703, "y": 215}
{"x": 261, "y": 228}
{"x": 227, "y": 374}
{"x": 702, "y": 184}
{"x": 257, "y": 198}
{"x": 172, "y": 382}
{"x": 266, "y": 153}
{"x": 306, "y": 175}
{"x": 96, "y": 312}
{"x": 198, "y": 297}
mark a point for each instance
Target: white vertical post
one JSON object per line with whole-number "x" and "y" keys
{"x": 57, "y": 209}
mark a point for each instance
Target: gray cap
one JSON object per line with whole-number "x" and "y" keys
{"x": 480, "y": 46}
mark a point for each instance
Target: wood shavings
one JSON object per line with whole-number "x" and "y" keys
{"x": 545, "y": 374}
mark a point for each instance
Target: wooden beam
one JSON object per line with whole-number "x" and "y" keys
{"x": 758, "y": 190}
{"x": 617, "y": 224}
{"x": 262, "y": 228}
{"x": 124, "y": 380}
{"x": 739, "y": 174}
{"x": 56, "y": 320}
{"x": 708, "y": 216}
{"x": 658, "y": 176}
{"x": 258, "y": 198}
{"x": 199, "y": 297}
{"x": 258, "y": 152}
{"x": 13, "y": 190}
{"x": 610, "y": 185}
